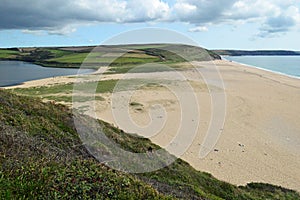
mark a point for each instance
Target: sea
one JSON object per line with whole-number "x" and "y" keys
{"x": 287, "y": 65}
{"x": 17, "y": 72}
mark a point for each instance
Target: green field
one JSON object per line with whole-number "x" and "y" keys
{"x": 58, "y": 53}
{"x": 8, "y": 54}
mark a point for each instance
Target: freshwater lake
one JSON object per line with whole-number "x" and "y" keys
{"x": 288, "y": 65}
{"x": 17, "y": 72}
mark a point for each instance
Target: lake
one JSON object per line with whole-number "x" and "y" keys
{"x": 289, "y": 65}
{"x": 17, "y": 72}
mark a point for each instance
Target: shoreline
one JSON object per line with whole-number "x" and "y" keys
{"x": 263, "y": 69}
{"x": 261, "y": 135}
{"x": 46, "y": 74}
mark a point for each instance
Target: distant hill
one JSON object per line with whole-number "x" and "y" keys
{"x": 125, "y": 55}
{"x": 256, "y": 53}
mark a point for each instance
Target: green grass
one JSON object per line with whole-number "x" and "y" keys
{"x": 64, "y": 92}
{"x": 42, "y": 157}
{"x": 97, "y": 58}
{"x": 59, "y": 53}
{"x": 143, "y": 47}
{"x": 106, "y": 86}
{"x": 8, "y": 54}
{"x": 71, "y": 58}
{"x": 45, "y": 90}
{"x": 71, "y": 98}
{"x": 121, "y": 61}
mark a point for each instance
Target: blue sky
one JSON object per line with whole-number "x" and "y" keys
{"x": 213, "y": 24}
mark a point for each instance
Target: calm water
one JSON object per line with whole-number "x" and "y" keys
{"x": 289, "y": 65}
{"x": 16, "y": 72}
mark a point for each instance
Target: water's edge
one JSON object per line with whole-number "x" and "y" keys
{"x": 260, "y": 68}
{"x": 14, "y": 72}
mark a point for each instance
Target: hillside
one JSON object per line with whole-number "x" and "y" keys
{"x": 256, "y": 53}
{"x": 115, "y": 55}
{"x": 42, "y": 157}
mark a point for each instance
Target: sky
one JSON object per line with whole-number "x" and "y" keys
{"x": 213, "y": 24}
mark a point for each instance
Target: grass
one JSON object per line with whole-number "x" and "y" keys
{"x": 71, "y": 98}
{"x": 101, "y": 59}
{"x": 70, "y": 58}
{"x": 105, "y": 86}
{"x": 8, "y": 54}
{"x": 45, "y": 90}
{"x": 64, "y": 92}
{"x": 145, "y": 46}
{"x": 42, "y": 157}
{"x": 59, "y": 53}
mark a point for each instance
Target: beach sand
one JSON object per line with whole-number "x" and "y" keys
{"x": 260, "y": 139}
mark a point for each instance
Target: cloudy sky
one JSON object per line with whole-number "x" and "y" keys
{"x": 214, "y": 24}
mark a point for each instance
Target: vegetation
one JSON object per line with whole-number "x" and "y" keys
{"x": 101, "y": 87}
{"x": 42, "y": 157}
{"x": 9, "y": 54}
{"x": 135, "y": 104}
{"x": 120, "y": 58}
{"x": 64, "y": 92}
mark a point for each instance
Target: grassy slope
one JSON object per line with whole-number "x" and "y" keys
{"x": 41, "y": 157}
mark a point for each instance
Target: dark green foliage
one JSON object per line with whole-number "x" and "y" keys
{"x": 36, "y": 55}
{"x": 42, "y": 157}
{"x": 267, "y": 191}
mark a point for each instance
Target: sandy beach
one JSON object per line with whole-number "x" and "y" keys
{"x": 260, "y": 140}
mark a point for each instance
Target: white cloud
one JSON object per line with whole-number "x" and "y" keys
{"x": 199, "y": 29}
{"x": 184, "y": 9}
{"x": 66, "y": 30}
{"x": 146, "y": 10}
{"x": 274, "y": 16}
{"x": 201, "y": 11}
{"x": 62, "y": 17}
{"x": 33, "y": 32}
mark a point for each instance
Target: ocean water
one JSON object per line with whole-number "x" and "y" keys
{"x": 16, "y": 72}
{"x": 288, "y": 65}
